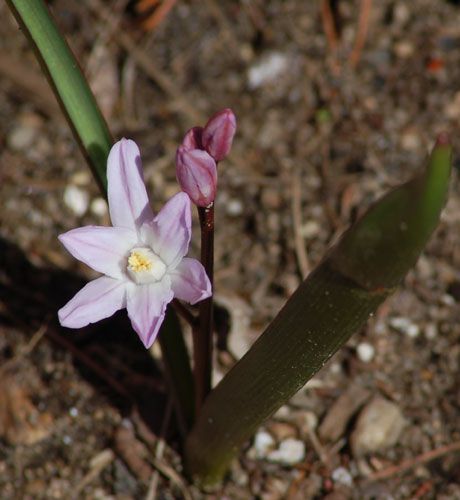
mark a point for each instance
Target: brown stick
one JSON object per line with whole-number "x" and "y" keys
{"x": 299, "y": 242}
{"x": 413, "y": 462}
{"x": 363, "y": 27}
{"x": 329, "y": 25}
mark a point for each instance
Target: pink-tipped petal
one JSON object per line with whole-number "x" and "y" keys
{"x": 169, "y": 234}
{"x": 146, "y": 306}
{"x": 190, "y": 282}
{"x": 97, "y": 300}
{"x": 128, "y": 200}
{"x": 196, "y": 173}
{"x": 192, "y": 139}
{"x": 218, "y": 134}
{"x": 104, "y": 249}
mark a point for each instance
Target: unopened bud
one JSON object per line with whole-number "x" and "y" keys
{"x": 218, "y": 134}
{"x": 192, "y": 139}
{"x": 196, "y": 172}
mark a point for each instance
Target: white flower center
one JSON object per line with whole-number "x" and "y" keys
{"x": 144, "y": 266}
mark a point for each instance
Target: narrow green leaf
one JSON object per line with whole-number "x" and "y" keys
{"x": 177, "y": 365}
{"x": 89, "y": 127}
{"x": 334, "y": 301}
{"x": 67, "y": 81}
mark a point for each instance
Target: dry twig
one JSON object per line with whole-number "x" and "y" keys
{"x": 299, "y": 242}
{"x": 410, "y": 463}
{"x": 36, "y": 337}
{"x": 144, "y": 61}
{"x": 329, "y": 24}
{"x": 363, "y": 27}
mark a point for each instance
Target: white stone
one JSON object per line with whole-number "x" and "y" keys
{"x": 99, "y": 207}
{"x": 342, "y": 476}
{"x": 267, "y": 69}
{"x": 234, "y": 207}
{"x": 378, "y": 427}
{"x": 25, "y": 132}
{"x": 282, "y": 413}
{"x": 291, "y": 451}
{"x": 310, "y": 229}
{"x": 406, "y": 326}
{"x": 365, "y": 352}
{"x": 431, "y": 331}
{"x": 76, "y": 199}
{"x": 263, "y": 444}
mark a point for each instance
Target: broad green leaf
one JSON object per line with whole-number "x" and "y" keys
{"x": 334, "y": 302}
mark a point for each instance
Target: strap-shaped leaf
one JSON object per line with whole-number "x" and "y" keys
{"x": 67, "y": 81}
{"x": 336, "y": 299}
{"x": 93, "y": 136}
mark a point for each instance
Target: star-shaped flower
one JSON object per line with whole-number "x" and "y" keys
{"x": 142, "y": 256}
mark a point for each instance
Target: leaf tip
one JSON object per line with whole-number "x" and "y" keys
{"x": 443, "y": 139}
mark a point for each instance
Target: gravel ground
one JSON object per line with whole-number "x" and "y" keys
{"x": 381, "y": 419}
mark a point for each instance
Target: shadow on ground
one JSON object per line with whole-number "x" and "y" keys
{"x": 108, "y": 354}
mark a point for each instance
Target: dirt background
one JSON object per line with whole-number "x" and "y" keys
{"x": 323, "y": 129}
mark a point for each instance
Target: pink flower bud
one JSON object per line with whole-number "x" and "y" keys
{"x": 218, "y": 134}
{"x": 196, "y": 173}
{"x": 192, "y": 139}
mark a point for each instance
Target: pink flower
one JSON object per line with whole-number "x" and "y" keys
{"x": 197, "y": 156}
{"x": 196, "y": 173}
{"x": 142, "y": 256}
{"x": 217, "y": 135}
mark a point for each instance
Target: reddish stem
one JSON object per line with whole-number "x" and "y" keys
{"x": 202, "y": 335}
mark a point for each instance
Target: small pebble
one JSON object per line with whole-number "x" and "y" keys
{"x": 263, "y": 444}
{"x": 282, "y": 413}
{"x": 378, "y": 427}
{"x": 25, "y": 131}
{"x": 342, "y": 476}
{"x": 406, "y": 326}
{"x": 67, "y": 439}
{"x": 281, "y": 430}
{"x": 310, "y": 229}
{"x": 76, "y": 199}
{"x": 401, "y": 13}
{"x": 404, "y": 49}
{"x": 365, "y": 352}
{"x": 290, "y": 452}
{"x": 410, "y": 140}
{"x": 431, "y": 331}
{"x": 234, "y": 208}
{"x": 99, "y": 207}
{"x": 447, "y": 300}
{"x": 267, "y": 69}
{"x": 81, "y": 178}
{"x": 73, "y": 412}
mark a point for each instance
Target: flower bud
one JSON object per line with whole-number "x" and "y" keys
{"x": 192, "y": 139}
{"x": 196, "y": 173}
{"x": 218, "y": 134}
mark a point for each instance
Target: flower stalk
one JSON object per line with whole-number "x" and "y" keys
{"x": 202, "y": 335}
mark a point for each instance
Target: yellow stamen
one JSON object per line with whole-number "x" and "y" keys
{"x": 138, "y": 262}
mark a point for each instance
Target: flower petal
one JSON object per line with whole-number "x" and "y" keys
{"x": 128, "y": 200}
{"x": 190, "y": 282}
{"x": 146, "y": 308}
{"x": 104, "y": 249}
{"x": 169, "y": 233}
{"x": 196, "y": 173}
{"x": 97, "y": 300}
